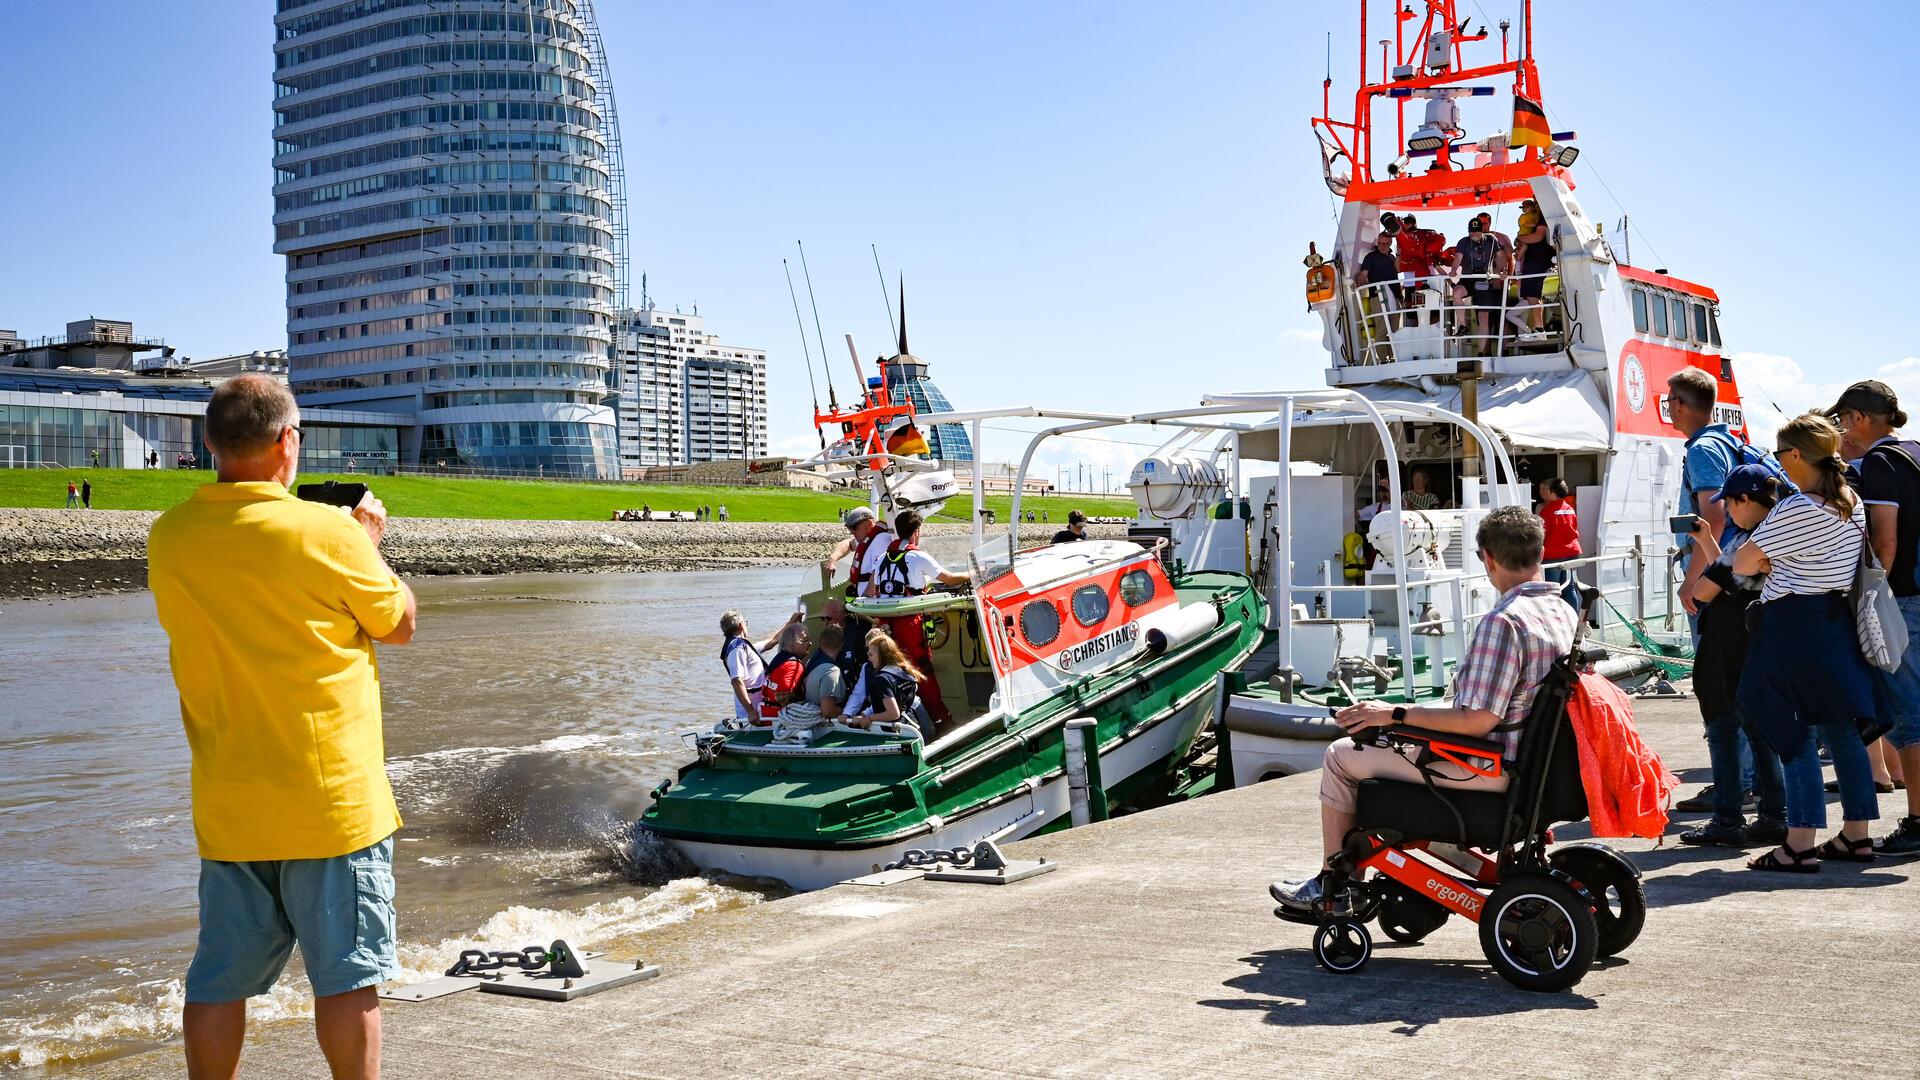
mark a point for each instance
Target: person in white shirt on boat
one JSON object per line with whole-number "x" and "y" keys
{"x": 904, "y": 570}
{"x": 745, "y": 661}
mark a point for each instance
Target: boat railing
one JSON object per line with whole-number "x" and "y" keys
{"x": 1452, "y": 591}
{"x": 1418, "y": 315}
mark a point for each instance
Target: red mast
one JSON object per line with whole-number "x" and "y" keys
{"x": 1437, "y": 166}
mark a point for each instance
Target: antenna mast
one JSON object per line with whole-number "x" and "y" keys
{"x": 808, "y": 274}
{"x": 808, "y": 355}
{"x": 892, "y": 327}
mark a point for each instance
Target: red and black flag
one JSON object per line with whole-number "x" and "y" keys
{"x": 1530, "y": 124}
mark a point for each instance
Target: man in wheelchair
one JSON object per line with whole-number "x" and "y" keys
{"x": 1470, "y": 745}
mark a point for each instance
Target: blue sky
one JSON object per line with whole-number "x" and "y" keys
{"x": 1095, "y": 205}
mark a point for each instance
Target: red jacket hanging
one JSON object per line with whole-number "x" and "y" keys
{"x": 1627, "y": 785}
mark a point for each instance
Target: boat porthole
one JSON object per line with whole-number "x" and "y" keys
{"x": 1136, "y": 587}
{"x": 1039, "y": 622}
{"x": 1089, "y": 605}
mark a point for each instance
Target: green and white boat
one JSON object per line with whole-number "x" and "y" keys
{"x": 1100, "y": 629}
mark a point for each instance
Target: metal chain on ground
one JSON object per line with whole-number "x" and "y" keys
{"x": 915, "y": 858}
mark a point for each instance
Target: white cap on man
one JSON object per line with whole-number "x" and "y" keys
{"x": 852, "y": 518}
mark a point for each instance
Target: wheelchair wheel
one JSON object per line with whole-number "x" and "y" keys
{"x": 1619, "y": 898}
{"x": 1343, "y": 947}
{"x": 1538, "y": 933}
{"x": 1407, "y": 917}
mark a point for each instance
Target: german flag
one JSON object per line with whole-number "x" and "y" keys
{"x": 907, "y": 442}
{"x": 1530, "y": 124}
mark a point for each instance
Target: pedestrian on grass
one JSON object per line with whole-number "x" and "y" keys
{"x": 73, "y": 495}
{"x": 272, "y": 606}
{"x": 1805, "y": 675}
{"x": 86, "y": 494}
{"x": 723, "y": 511}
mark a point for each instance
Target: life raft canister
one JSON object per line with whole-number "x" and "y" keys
{"x": 1353, "y": 555}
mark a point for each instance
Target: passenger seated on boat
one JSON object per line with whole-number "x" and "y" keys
{"x": 853, "y": 638}
{"x": 1508, "y": 657}
{"x": 781, "y": 685}
{"x": 1421, "y": 497}
{"x": 744, "y": 662}
{"x": 823, "y": 684}
{"x": 888, "y": 690}
{"x": 904, "y": 570}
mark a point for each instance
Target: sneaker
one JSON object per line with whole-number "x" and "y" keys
{"x": 1701, "y": 801}
{"x": 1749, "y": 801}
{"x": 1903, "y": 840}
{"x": 1714, "y": 834}
{"x": 1767, "y": 830}
{"x": 1308, "y": 896}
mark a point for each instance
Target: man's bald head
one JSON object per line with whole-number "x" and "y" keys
{"x": 247, "y": 416}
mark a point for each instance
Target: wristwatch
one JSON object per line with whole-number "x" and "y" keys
{"x": 1399, "y": 713}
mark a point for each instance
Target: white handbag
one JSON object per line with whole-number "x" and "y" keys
{"x": 1876, "y": 614}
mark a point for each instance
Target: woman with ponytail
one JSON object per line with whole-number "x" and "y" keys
{"x": 1804, "y": 671}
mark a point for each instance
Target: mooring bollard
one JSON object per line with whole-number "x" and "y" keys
{"x": 1073, "y": 744}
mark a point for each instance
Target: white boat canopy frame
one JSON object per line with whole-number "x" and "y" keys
{"x": 1277, "y": 416}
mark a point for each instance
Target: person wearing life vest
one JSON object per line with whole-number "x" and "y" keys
{"x": 862, "y": 529}
{"x": 780, "y": 686}
{"x": 902, "y": 569}
{"x": 745, "y": 662}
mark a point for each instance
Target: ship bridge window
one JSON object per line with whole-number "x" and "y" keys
{"x": 1700, "y": 325}
{"x": 1713, "y": 324}
{"x": 1679, "y": 318}
{"x": 1090, "y": 605}
{"x": 1659, "y": 313}
{"x": 1640, "y": 311}
{"x": 1136, "y": 587}
{"x": 1039, "y": 622}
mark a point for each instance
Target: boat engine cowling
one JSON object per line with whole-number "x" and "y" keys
{"x": 1173, "y": 485}
{"x": 1170, "y": 628}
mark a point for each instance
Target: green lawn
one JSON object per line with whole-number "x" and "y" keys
{"x": 448, "y": 497}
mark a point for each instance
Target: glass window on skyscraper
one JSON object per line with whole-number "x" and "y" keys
{"x": 447, "y": 165}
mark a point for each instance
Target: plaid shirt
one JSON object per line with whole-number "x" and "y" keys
{"x": 1511, "y": 651}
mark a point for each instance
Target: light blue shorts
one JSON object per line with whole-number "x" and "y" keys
{"x": 340, "y": 910}
{"x": 1903, "y": 683}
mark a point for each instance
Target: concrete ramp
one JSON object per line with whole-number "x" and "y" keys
{"x": 1152, "y": 953}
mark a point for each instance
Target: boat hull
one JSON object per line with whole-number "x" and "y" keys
{"x": 817, "y": 813}
{"x": 1041, "y": 803}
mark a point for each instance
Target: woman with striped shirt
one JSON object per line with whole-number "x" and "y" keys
{"x": 1804, "y": 671}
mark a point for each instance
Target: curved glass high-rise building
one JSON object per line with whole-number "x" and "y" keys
{"x": 445, "y": 203}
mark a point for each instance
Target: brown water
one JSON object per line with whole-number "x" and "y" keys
{"x": 524, "y": 727}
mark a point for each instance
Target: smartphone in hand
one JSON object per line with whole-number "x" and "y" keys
{"x": 333, "y": 493}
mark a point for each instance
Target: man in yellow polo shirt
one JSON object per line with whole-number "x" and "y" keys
{"x": 272, "y": 606}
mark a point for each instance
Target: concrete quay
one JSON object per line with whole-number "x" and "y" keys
{"x": 1152, "y": 952}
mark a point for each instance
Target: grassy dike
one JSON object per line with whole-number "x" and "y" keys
{"x": 508, "y": 500}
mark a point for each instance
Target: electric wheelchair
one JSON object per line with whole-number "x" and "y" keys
{"x": 1419, "y": 853}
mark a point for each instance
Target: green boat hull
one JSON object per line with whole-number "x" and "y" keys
{"x": 837, "y": 808}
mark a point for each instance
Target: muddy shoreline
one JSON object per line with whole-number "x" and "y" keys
{"x": 48, "y": 554}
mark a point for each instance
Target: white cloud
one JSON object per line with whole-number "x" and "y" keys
{"x": 1776, "y": 388}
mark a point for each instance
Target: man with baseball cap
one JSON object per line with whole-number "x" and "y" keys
{"x": 1889, "y": 469}
{"x": 862, "y": 527}
{"x": 1076, "y": 528}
